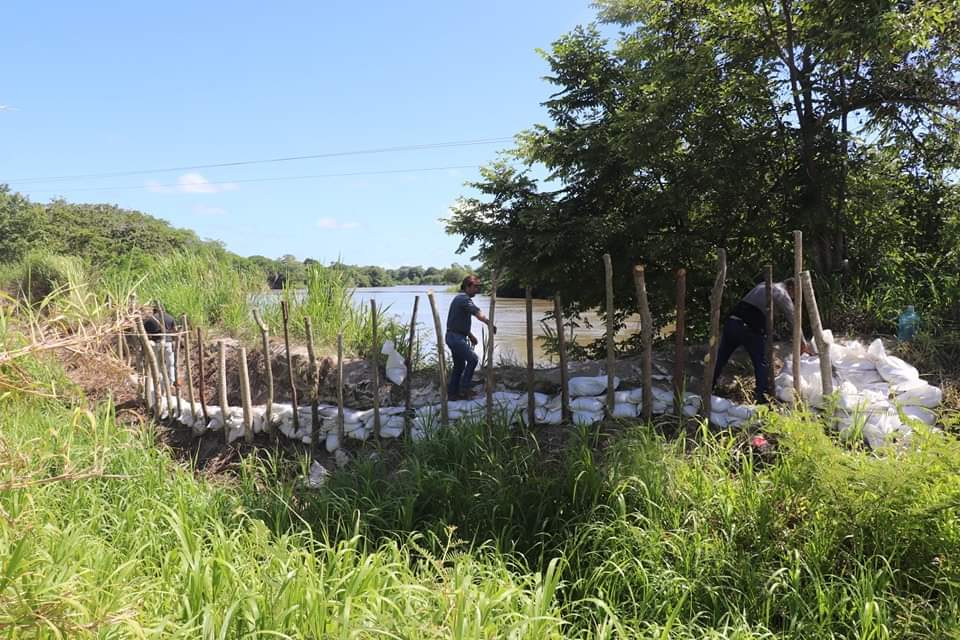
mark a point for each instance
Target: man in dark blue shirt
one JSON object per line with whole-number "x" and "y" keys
{"x": 461, "y": 340}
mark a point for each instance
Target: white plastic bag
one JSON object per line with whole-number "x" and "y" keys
{"x": 396, "y": 370}
{"x": 593, "y": 386}
{"x": 625, "y": 410}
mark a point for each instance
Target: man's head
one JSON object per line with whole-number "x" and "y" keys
{"x": 470, "y": 285}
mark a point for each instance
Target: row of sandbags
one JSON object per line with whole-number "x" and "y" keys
{"x": 587, "y": 404}
{"x": 876, "y": 393}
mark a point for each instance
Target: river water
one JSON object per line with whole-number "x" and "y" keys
{"x": 511, "y": 339}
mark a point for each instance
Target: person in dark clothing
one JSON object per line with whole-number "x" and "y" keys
{"x": 160, "y": 326}
{"x": 746, "y": 327}
{"x": 461, "y": 340}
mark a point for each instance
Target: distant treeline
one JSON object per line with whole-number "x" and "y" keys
{"x": 108, "y": 238}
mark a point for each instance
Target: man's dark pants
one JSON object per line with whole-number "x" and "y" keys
{"x": 736, "y": 333}
{"x": 464, "y": 362}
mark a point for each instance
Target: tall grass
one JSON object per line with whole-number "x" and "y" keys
{"x": 478, "y": 532}
{"x": 327, "y": 301}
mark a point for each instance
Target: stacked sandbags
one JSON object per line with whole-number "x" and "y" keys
{"x": 876, "y": 394}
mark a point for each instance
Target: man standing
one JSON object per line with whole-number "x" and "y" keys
{"x": 746, "y": 327}
{"x": 461, "y": 340}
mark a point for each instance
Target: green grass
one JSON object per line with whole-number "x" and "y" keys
{"x": 479, "y": 532}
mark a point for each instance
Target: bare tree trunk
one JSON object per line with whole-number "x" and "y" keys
{"x": 314, "y": 387}
{"x": 531, "y": 399}
{"x": 222, "y": 376}
{"x": 245, "y": 397}
{"x": 611, "y": 344}
{"x": 768, "y": 345}
{"x": 680, "y": 347}
{"x": 265, "y": 339}
{"x": 797, "y": 309}
{"x": 285, "y": 311}
{"x": 441, "y": 362}
{"x": 716, "y": 299}
{"x": 490, "y": 347}
{"x": 562, "y": 348}
{"x": 407, "y": 403}
{"x": 826, "y": 370}
{"x": 375, "y": 368}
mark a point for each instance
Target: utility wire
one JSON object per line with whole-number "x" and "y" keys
{"x": 198, "y": 187}
{"x": 239, "y": 163}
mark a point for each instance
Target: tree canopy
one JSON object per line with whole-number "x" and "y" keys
{"x": 729, "y": 123}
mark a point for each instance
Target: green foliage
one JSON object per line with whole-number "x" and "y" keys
{"x": 722, "y": 124}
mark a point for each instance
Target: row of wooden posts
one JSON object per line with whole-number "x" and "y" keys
{"x": 156, "y": 371}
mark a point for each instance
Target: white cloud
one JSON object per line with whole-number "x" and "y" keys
{"x": 332, "y": 223}
{"x": 191, "y": 183}
{"x": 204, "y": 210}
{"x": 6, "y": 107}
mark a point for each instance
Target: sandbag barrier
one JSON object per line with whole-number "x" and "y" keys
{"x": 588, "y": 406}
{"x": 878, "y": 395}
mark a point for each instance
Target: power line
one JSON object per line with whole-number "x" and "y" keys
{"x": 239, "y": 163}
{"x": 198, "y": 187}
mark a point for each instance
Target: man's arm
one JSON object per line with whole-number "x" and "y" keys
{"x": 783, "y": 300}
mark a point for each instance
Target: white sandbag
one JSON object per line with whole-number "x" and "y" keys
{"x": 620, "y": 397}
{"x": 662, "y": 394}
{"x": 358, "y": 434}
{"x": 925, "y": 395}
{"x": 540, "y": 399}
{"x": 587, "y": 404}
{"x": 881, "y": 429}
{"x": 553, "y": 416}
{"x": 390, "y": 431}
{"x": 333, "y": 442}
{"x": 924, "y": 415}
{"x": 635, "y": 395}
{"x": 741, "y": 412}
{"x": 719, "y": 418}
{"x": 590, "y": 386}
{"x": 395, "y": 369}
{"x": 234, "y": 424}
{"x": 660, "y": 407}
{"x": 896, "y": 371}
{"x": 317, "y": 477}
{"x": 586, "y": 418}
{"x": 625, "y": 410}
{"x": 719, "y": 405}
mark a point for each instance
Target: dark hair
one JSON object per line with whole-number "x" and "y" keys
{"x": 468, "y": 281}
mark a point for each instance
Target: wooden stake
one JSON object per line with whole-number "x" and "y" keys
{"x": 245, "y": 397}
{"x": 408, "y": 388}
{"x": 611, "y": 350}
{"x": 314, "y": 387}
{"x": 680, "y": 347}
{"x": 441, "y": 360}
{"x": 222, "y": 384}
{"x": 768, "y": 346}
{"x": 562, "y": 349}
{"x": 716, "y": 298}
{"x": 265, "y": 339}
{"x": 176, "y": 372}
{"x": 531, "y": 399}
{"x": 375, "y": 367}
{"x": 285, "y": 310}
{"x": 340, "y": 433}
{"x": 490, "y": 347}
{"x": 797, "y": 309}
{"x": 190, "y": 395}
{"x": 201, "y": 386}
{"x": 646, "y": 338}
{"x": 153, "y": 370}
{"x": 165, "y": 375}
{"x": 826, "y": 370}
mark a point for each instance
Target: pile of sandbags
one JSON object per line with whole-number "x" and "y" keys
{"x": 876, "y": 394}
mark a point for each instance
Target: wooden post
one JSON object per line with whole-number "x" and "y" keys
{"x": 176, "y": 373}
{"x": 680, "y": 347}
{"x": 190, "y": 395}
{"x": 408, "y": 388}
{"x": 710, "y": 362}
{"x": 340, "y": 433}
{"x": 611, "y": 351}
{"x": 222, "y": 378}
{"x": 153, "y": 372}
{"x": 165, "y": 375}
{"x": 490, "y": 348}
{"x": 768, "y": 346}
{"x": 646, "y": 337}
{"x": 314, "y": 387}
{"x": 265, "y": 339}
{"x": 826, "y": 370}
{"x": 375, "y": 366}
{"x": 531, "y": 399}
{"x": 562, "y": 349}
{"x": 201, "y": 386}
{"x": 285, "y": 310}
{"x": 797, "y": 309}
{"x": 245, "y": 397}
{"x": 441, "y": 360}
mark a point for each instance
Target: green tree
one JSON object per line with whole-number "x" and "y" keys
{"x": 729, "y": 123}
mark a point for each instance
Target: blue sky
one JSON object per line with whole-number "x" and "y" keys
{"x": 99, "y": 87}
